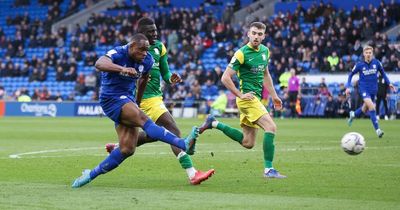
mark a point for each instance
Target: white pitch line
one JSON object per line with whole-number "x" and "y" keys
{"x": 52, "y": 151}
{"x": 19, "y": 155}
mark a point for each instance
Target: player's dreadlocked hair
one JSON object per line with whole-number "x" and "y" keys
{"x": 144, "y": 21}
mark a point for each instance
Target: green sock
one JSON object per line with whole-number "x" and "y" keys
{"x": 185, "y": 161}
{"x": 232, "y": 133}
{"x": 269, "y": 149}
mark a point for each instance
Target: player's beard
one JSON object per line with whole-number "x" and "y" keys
{"x": 255, "y": 43}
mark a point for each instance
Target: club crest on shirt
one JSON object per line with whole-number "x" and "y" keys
{"x": 374, "y": 66}
{"x": 141, "y": 67}
{"x": 264, "y": 57}
{"x": 156, "y": 51}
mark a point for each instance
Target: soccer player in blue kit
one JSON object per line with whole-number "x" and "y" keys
{"x": 120, "y": 68}
{"x": 153, "y": 106}
{"x": 368, "y": 86}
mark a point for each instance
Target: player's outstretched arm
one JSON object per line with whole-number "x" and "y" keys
{"x": 348, "y": 84}
{"x": 105, "y": 63}
{"x": 228, "y": 83}
{"x": 141, "y": 87}
{"x": 168, "y": 77}
{"x": 164, "y": 69}
{"x": 270, "y": 86}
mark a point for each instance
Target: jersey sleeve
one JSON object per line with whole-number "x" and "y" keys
{"x": 164, "y": 68}
{"x": 115, "y": 55}
{"x": 148, "y": 64}
{"x": 237, "y": 60}
{"x": 354, "y": 70}
{"x": 163, "y": 50}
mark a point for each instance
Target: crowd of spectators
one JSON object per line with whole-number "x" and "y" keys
{"x": 321, "y": 38}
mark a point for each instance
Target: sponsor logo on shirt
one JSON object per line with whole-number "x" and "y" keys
{"x": 256, "y": 69}
{"x": 369, "y": 71}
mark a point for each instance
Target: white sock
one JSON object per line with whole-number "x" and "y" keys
{"x": 214, "y": 124}
{"x": 191, "y": 172}
{"x": 267, "y": 169}
{"x": 181, "y": 154}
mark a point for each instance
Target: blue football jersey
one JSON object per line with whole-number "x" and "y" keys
{"x": 368, "y": 73}
{"x": 113, "y": 84}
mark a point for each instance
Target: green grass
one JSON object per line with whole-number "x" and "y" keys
{"x": 53, "y": 152}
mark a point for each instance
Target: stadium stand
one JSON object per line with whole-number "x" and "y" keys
{"x": 310, "y": 37}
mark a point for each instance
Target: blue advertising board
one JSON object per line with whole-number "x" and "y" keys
{"x": 39, "y": 109}
{"x": 88, "y": 109}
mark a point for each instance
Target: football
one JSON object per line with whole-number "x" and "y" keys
{"x": 353, "y": 143}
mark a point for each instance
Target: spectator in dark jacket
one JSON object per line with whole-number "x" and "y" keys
{"x": 382, "y": 97}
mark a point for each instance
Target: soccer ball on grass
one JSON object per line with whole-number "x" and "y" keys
{"x": 353, "y": 143}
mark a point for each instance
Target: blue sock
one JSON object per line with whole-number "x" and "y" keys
{"x": 358, "y": 112}
{"x": 156, "y": 132}
{"x": 111, "y": 162}
{"x": 372, "y": 116}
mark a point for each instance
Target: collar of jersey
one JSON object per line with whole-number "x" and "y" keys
{"x": 249, "y": 45}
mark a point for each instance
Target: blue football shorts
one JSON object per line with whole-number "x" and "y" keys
{"x": 112, "y": 106}
{"x": 367, "y": 94}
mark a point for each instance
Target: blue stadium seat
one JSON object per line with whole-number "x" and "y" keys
{"x": 320, "y": 110}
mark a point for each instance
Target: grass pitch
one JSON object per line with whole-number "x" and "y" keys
{"x": 40, "y": 157}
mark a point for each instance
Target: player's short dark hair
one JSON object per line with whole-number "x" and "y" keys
{"x": 138, "y": 38}
{"x": 258, "y": 25}
{"x": 145, "y": 21}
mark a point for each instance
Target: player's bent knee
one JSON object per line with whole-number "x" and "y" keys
{"x": 270, "y": 128}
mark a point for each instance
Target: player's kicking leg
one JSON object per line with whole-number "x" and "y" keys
{"x": 127, "y": 143}
{"x": 152, "y": 130}
{"x": 130, "y": 118}
{"x": 195, "y": 176}
{"x": 144, "y": 139}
